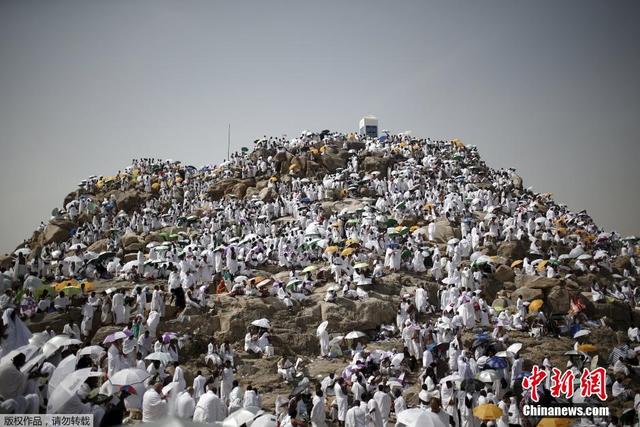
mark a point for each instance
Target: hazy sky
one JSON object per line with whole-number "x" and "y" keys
{"x": 551, "y": 88}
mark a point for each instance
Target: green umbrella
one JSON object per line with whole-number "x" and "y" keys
{"x": 391, "y": 222}
{"x": 244, "y": 149}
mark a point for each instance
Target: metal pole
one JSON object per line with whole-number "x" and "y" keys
{"x": 229, "y": 142}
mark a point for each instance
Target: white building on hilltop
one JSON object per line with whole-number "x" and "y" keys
{"x": 369, "y": 126}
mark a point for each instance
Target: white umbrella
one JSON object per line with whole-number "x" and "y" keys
{"x": 29, "y": 351}
{"x": 453, "y": 241}
{"x": 57, "y": 342}
{"x": 515, "y": 348}
{"x": 32, "y": 282}
{"x": 95, "y": 351}
{"x": 266, "y": 420}
{"x": 35, "y": 361}
{"x": 23, "y": 251}
{"x": 584, "y": 257}
{"x": 397, "y": 359}
{"x": 355, "y": 335}
{"x": 74, "y": 259}
{"x": 238, "y": 418}
{"x": 77, "y": 247}
{"x": 67, "y": 389}
{"x": 361, "y": 265}
{"x": 263, "y": 283}
{"x": 488, "y": 376}
{"x": 129, "y": 266}
{"x": 129, "y": 376}
{"x": 336, "y": 340}
{"x": 581, "y": 333}
{"x": 261, "y": 323}
{"x": 39, "y": 338}
{"x": 504, "y": 354}
{"x": 64, "y": 369}
{"x": 452, "y": 378}
{"x": 322, "y": 327}
{"x": 159, "y": 356}
{"x": 416, "y": 417}
{"x": 240, "y": 279}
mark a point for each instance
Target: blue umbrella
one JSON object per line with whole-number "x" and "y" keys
{"x": 393, "y": 245}
{"x": 497, "y": 363}
{"x": 522, "y": 375}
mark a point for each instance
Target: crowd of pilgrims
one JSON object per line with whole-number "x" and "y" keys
{"x": 220, "y": 243}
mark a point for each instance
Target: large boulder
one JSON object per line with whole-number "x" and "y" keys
{"x": 239, "y": 190}
{"x": 536, "y": 282}
{"x": 516, "y": 180}
{"x": 621, "y": 263}
{"x": 376, "y": 163}
{"x": 617, "y": 312}
{"x": 363, "y": 315}
{"x": 558, "y": 300}
{"x": 444, "y": 231}
{"x": 218, "y": 190}
{"x": 504, "y": 273}
{"x": 58, "y": 230}
{"x": 130, "y": 239}
{"x": 512, "y": 250}
{"x": 128, "y": 200}
{"x": 99, "y": 246}
{"x": 528, "y": 294}
{"x": 332, "y": 162}
{"x": 267, "y": 195}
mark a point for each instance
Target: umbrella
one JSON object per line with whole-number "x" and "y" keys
{"x": 535, "y": 305}
{"x": 336, "y": 340}
{"x": 581, "y": 333}
{"x": 67, "y": 389}
{"x": 516, "y": 263}
{"x": 487, "y": 412}
{"x": 129, "y": 376}
{"x": 263, "y": 283}
{"x": 361, "y": 265}
{"x": 77, "y": 247}
{"x": 32, "y": 282}
{"x": 355, "y": 335}
{"x": 64, "y": 368}
{"x": 129, "y": 266}
{"x": 331, "y": 249}
{"x": 322, "y": 327}
{"x": 416, "y": 417}
{"x": 58, "y": 342}
{"x": 240, "y": 279}
{"x": 261, "y": 323}
{"x": 555, "y": 422}
{"x": 453, "y": 241}
{"x": 163, "y": 358}
{"x": 571, "y": 353}
{"x": 95, "y": 351}
{"x": 587, "y": 348}
{"x": 265, "y": 420}
{"x": 347, "y": 251}
{"x": 309, "y": 269}
{"x": 496, "y": 363}
{"x": 23, "y": 251}
{"x": 238, "y": 418}
{"x": 452, "y": 378}
{"x": 488, "y": 376}
{"x": 114, "y": 337}
{"x": 29, "y": 350}
{"x": 514, "y": 348}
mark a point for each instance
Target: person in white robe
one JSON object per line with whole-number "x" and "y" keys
{"x": 118, "y": 309}
{"x": 198, "y": 385}
{"x": 185, "y": 404}
{"x": 152, "y": 323}
{"x": 341, "y": 400}
{"x": 356, "y": 416}
{"x": 16, "y": 333}
{"x": 318, "y": 415}
{"x": 323, "y": 337}
{"x": 154, "y": 404}
{"x": 384, "y": 403}
{"x": 178, "y": 377}
{"x": 210, "y": 408}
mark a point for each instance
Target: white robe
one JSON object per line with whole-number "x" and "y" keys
{"x": 154, "y": 408}
{"x": 210, "y": 408}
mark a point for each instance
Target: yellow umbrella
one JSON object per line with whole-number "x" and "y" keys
{"x": 587, "y": 348}
{"x": 347, "y": 251}
{"x": 516, "y": 263}
{"x": 554, "y": 422}
{"x": 487, "y": 412}
{"x": 541, "y": 265}
{"x": 255, "y": 280}
{"x": 350, "y": 242}
{"x": 309, "y": 269}
{"x": 413, "y": 228}
{"x": 273, "y": 179}
{"x": 535, "y": 305}
{"x": 155, "y": 186}
{"x": 61, "y": 285}
{"x": 331, "y": 249}
{"x": 457, "y": 143}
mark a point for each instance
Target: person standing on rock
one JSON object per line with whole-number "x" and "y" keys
{"x": 227, "y": 381}
{"x": 118, "y": 309}
{"x": 323, "y": 337}
{"x": 318, "y": 415}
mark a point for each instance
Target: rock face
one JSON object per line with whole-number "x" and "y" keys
{"x": 99, "y": 246}
{"x": 443, "y": 232}
{"x": 528, "y": 294}
{"x": 376, "y": 163}
{"x": 512, "y": 250}
{"x": 128, "y": 200}
{"x": 361, "y": 315}
{"x": 536, "y": 282}
{"x": 558, "y": 300}
{"x": 617, "y": 312}
{"x": 504, "y": 273}
{"x": 267, "y": 195}
{"x": 332, "y": 162}
{"x": 58, "y": 230}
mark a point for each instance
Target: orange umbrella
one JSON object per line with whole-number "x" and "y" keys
{"x": 554, "y": 422}
{"x": 587, "y": 348}
{"x": 347, "y": 251}
{"x": 487, "y": 412}
{"x": 535, "y": 305}
{"x": 516, "y": 263}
